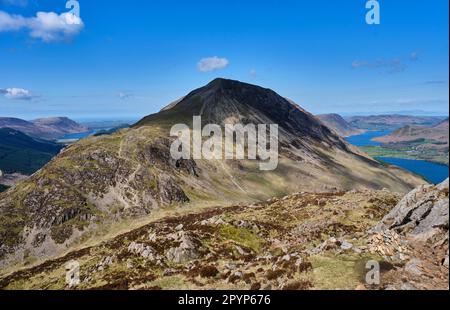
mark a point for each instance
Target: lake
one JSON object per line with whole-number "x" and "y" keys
{"x": 78, "y": 136}
{"x": 433, "y": 172}
{"x": 365, "y": 139}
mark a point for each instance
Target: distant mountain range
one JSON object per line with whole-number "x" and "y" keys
{"x": 43, "y": 128}
{"x": 339, "y": 125}
{"x": 131, "y": 173}
{"x": 392, "y": 121}
{"x": 421, "y": 142}
{"x": 438, "y": 133}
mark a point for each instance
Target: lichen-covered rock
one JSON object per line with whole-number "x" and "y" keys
{"x": 187, "y": 250}
{"x": 422, "y": 212}
{"x": 169, "y": 190}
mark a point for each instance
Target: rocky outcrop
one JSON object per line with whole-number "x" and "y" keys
{"x": 415, "y": 236}
{"x": 422, "y": 213}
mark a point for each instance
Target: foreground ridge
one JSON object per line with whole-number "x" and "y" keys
{"x": 301, "y": 241}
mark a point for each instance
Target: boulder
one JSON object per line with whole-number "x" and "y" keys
{"x": 421, "y": 213}
{"x": 186, "y": 251}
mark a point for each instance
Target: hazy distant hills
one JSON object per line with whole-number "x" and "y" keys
{"x": 44, "y": 128}
{"x": 24, "y": 154}
{"x": 391, "y": 122}
{"x": 339, "y": 125}
{"x": 25, "y": 146}
{"x": 424, "y": 142}
{"x": 102, "y": 180}
{"x": 438, "y": 133}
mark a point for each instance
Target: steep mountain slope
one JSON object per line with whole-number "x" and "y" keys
{"x": 339, "y": 125}
{"x": 23, "y": 154}
{"x": 46, "y": 128}
{"x": 102, "y": 180}
{"x": 392, "y": 122}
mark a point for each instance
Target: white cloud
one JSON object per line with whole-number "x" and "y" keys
{"x": 11, "y": 22}
{"x": 212, "y": 64}
{"x": 46, "y": 26}
{"x": 14, "y": 93}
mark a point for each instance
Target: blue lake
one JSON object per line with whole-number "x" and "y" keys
{"x": 365, "y": 139}
{"x": 433, "y": 172}
{"x": 78, "y": 136}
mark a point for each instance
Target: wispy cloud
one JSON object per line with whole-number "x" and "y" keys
{"x": 125, "y": 95}
{"x": 414, "y": 56}
{"x": 394, "y": 65}
{"x": 436, "y": 82}
{"x": 14, "y": 93}
{"x": 212, "y": 64}
{"x": 45, "y": 26}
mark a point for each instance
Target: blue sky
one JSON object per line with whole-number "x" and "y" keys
{"x": 127, "y": 59}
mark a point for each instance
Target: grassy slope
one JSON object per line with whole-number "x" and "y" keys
{"x": 254, "y": 238}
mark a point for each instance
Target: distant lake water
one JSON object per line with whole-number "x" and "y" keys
{"x": 365, "y": 139}
{"x": 433, "y": 172}
{"x": 78, "y": 136}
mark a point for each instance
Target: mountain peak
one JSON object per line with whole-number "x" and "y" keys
{"x": 228, "y": 83}
{"x": 225, "y": 101}
{"x": 220, "y": 81}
